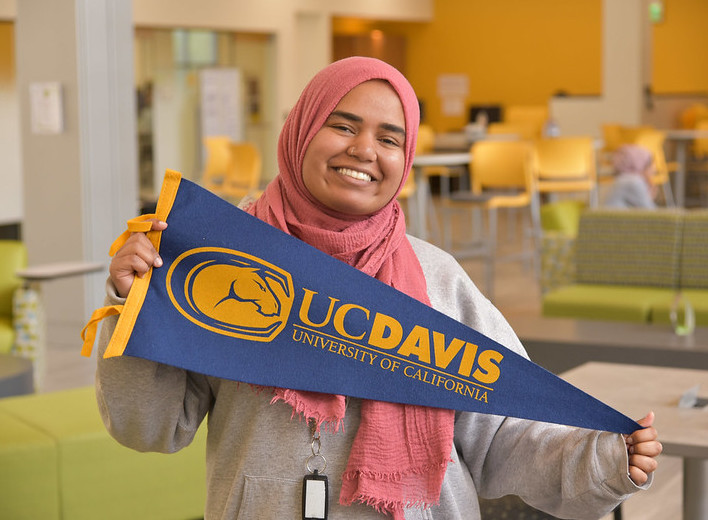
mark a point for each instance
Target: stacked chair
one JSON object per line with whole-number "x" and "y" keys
{"x": 232, "y": 170}
{"x": 243, "y": 174}
{"x": 426, "y": 144}
{"x": 218, "y": 156}
{"x": 525, "y": 130}
{"x": 562, "y": 168}
{"x": 500, "y": 176}
{"x": 535, "y": 116}
{"x": 653, "y": 140}
{"x": 698, "y": 166}
{"x": 616, "y": 135}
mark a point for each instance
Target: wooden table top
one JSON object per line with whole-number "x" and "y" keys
{"x": 637, "y": 389}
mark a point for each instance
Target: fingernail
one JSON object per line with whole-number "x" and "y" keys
{"x": 158, "y": 261}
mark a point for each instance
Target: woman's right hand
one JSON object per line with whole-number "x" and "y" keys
{"x": 135, "y": 258}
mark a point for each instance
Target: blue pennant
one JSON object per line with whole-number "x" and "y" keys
{"x": 241, "y": 300}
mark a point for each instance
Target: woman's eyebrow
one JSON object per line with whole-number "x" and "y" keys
{"x": 394, "y": 128}
{"x": 347, "y": 115}
{"x": 358, "y": 119}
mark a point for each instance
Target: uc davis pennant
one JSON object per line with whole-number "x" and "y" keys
{"x": 241, "y": 300}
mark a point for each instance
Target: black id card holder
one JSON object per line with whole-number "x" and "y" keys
{"x": 315, "y": 497}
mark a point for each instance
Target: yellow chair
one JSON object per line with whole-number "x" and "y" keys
{"x": 629, "y": 133}
{"x": 426, "y": 139}
{"x": 243, "y": 175}
{"x": 700, "y": 146}
{"x": 405, "y": 195}
{"x": 13, "y": 257}
{"x": 653, "y": 140}
{"x": 692, "y": 114}
{"x": 698, "y": 168}
{"x": 426, "y": 144}
{"x": 500, "y": 176}
{"x": 525, "y": 130}
{"x": 562, "y": 166}
{"x": 536, "y": 115}
{"x": 612, "y": 137}
{"x": 218, "y": 158}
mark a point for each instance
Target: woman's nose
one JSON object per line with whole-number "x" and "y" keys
{"x": 364, "y": 147}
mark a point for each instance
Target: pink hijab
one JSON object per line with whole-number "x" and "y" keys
{"x": 400, "y": 452}
{"x": 631, "y": 158}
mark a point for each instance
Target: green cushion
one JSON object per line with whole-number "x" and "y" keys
{"x": 102, "y": 479}
{"x": 661, "y": 312}
{"x": 29, "y": 485}
{"x": 562, "y": 216}
{"x": 629, "y": 247}
{"x": 604, "y": 302}
{"x": 694, "y": 254}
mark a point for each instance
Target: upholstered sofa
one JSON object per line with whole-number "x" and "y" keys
{"x": 57, "y": 462}
{"x": 630, "y": 265}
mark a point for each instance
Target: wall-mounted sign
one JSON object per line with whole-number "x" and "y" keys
{"x": 46, "y": 108}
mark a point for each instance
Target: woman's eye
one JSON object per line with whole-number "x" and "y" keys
{"x": 342, "y": 128}
{"x": 390, "y": 141}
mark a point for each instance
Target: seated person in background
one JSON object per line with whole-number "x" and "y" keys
{"x": 632, "y": 186}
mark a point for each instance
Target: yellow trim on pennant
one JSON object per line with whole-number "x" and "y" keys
{"x": 88, "y": 333}
{"x": 138, "y": 291}
{"x": 139, "y": 224}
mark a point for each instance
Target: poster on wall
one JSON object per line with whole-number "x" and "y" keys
{"x": 452, "y": 91}
{"x": 220, "y": 100}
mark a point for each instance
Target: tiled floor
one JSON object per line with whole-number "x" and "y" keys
{"x": 516, "y": 291}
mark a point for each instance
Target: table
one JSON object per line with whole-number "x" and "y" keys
{"x": 559, "y": 344}
{"x": 462, "y": 141}
{"x": 682, "y": 138}
{"x": 635, "y": 390}
{"x": 28, "y": 316}
{"x": 422, "y": 191}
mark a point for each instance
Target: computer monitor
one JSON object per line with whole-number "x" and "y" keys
{"x": 494, "y": 113}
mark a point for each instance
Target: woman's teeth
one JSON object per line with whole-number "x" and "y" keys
{"x": 354, "y": 174}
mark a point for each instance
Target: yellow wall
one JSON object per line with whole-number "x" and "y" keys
{"x": 521, "y": 51}
{"x": 681, "y": 48}
{"x": 513, "y": 51}
{"x": 7, "y": 53}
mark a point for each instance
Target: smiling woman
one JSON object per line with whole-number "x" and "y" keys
{"x": 354, "y": 164}
{"x": 344, "y": 152}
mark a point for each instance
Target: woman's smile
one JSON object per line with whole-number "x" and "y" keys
{"x": 347, "y": 172}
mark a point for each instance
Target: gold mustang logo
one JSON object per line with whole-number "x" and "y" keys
{"x": 231, "y": 293}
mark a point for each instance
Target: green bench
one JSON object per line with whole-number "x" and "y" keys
{"x": 57, "y": 461}
{"x": 628, "y": 265}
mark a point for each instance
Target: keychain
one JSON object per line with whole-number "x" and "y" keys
{"x": 315, "y": 486}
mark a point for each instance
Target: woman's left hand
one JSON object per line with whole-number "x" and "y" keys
{"x": 643, "y": 448}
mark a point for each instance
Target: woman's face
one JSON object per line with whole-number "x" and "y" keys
{"x": 354, "y": 163}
